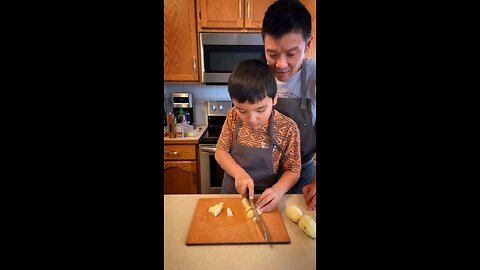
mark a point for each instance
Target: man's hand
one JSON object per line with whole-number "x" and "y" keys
{"x": 310, "y": 193}
{"x": 268, "y": 200}
{"x": 242, "y": 182}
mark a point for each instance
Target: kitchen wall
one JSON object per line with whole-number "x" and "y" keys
{"x": 201, "y": 94}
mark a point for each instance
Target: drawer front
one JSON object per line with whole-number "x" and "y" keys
{"x": 179, "y": 152}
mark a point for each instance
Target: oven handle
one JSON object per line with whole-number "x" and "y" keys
{"x": 208, "y": 149}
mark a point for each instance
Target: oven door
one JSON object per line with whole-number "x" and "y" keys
{"x": 211, "y": 173}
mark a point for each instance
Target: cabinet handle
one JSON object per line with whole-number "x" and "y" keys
{"x": 173, "y": 153}
{"x": 249, "y": 9}
{"x": 240, "y": 8}
{"x": 194, "y": 64}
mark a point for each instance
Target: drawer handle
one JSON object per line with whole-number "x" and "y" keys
{"x": 173, "y": 153}
{"x": 194, "y": 64}
{"x": 240, "y": 8}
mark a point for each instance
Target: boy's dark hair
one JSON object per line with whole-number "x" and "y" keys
{"x": 251, "y": 80}
{"x": 283, "y": 17}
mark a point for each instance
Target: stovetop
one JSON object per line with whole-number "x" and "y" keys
{"x": 210, "y": 136}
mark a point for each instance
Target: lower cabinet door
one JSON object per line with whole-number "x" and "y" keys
{"x": 180, "y": 177}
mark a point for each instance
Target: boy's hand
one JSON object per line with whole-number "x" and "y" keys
{"x": 243, "y": 182}
{"x": 268, "y": 200}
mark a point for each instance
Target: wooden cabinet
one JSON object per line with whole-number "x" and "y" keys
{"x": 180, "y": 177}
{"x": 221, "y": 13}
{"x": 231, "y": 14}
{"x": 312, "y": 8}
{"x": 180, "y": 44}
{"x": 255, "y": 11}
{"x": 180, "y": 169}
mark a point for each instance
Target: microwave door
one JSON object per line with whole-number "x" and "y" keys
{"x": 219, "y": 61}
{"x": 220, "y": 53}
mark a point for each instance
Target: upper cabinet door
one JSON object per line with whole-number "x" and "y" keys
{"x": 255, "y": 11}
{"x": 221, "y": 13}
{"x": 312, "y": 8}
{"x": 180, "y": 41}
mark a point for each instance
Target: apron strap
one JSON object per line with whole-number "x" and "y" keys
{"x": 303, "y": 84}
{"x": 239, "y": 123}
{"x": 272, "y": 138}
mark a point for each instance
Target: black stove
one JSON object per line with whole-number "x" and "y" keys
{"x": 216, "y": 115}
{"x": 214, "y": 128}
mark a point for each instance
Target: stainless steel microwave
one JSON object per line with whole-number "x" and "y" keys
{"x": 221, "y": 51}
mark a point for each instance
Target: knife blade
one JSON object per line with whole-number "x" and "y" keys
{"x": 259, "y": 220}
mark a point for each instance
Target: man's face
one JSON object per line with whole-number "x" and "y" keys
{"x": 257, "y": 114}
{"x": 285, "y": 55}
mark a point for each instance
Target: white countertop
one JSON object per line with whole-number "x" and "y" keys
{"x": 178, "y": 215}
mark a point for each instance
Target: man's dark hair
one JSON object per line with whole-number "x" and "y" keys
{"x": 283, "y": 17}
{"x": 251, "y": 80}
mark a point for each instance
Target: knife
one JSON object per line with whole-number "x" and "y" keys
{"x": 258, "y": 219}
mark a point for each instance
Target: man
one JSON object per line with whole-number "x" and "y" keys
{"x": 287, "y": 36}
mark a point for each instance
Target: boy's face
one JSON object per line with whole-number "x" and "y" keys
{"x": 285, "y": 55}
{"x": 256, "y": 115}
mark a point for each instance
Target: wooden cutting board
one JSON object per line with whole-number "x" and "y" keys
{"x": 206, "y": 229}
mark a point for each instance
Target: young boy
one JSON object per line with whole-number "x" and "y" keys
{"x": 287, "y": 36}
{"x": 257, "y": 143}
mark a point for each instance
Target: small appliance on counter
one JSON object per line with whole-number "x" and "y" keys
{"x": 183, "y": 104}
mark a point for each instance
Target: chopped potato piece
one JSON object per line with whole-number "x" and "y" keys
{"x": 245, "y": 202}
{"x": 250, "y": 213}
{"x": 216, "y": 209}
